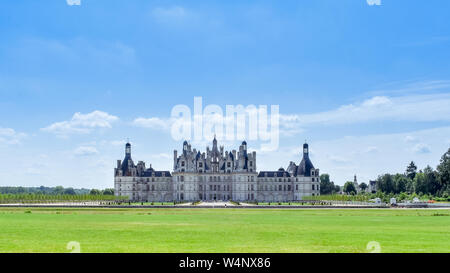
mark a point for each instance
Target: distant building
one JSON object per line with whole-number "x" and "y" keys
{"x": 215, "y": 175}
{"x": 372, "y": 187}
{"x": 355, "y": 183}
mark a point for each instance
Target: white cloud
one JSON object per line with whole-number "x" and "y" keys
{"x": 73, "y": 2}
{"x": 174, "y": 15}
{"x": 82, "y": 123}
{"x": 371, "y": 149}
{"x": 374, "y": 2}
{"x": 338, "y": 159}
{"x": 153, "y": 123}
{"x": 10, "y": 136}
{"x": 85, "y": 151}
{"x": 421, "y": 148}
{"x": 410, "y": 139}
{"x": 432, "y": 107}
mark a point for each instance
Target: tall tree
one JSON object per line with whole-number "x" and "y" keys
{"x": 443, "y": 170}
{"x": 349, "y": 188}
{"x": 431, "y": 180}
{"x": 326, "y": 186}
{"x": 337, "y": 188}
{"x": 420, "y": 185}
{"x": 411, "y": 170}
{"x": 385, "y": 183}
{"x": 363, "y": 186}
{"x": 400, "y": 183}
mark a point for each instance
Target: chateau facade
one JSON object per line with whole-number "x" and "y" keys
{"x": 215, "y": 175}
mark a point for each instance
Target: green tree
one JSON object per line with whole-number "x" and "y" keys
{"x": 95, "y": 192}
{"x": 431, "y": 181}
{"x": 411, "y": 170}
{"x": 326, "y": 186}
{"x": 69, "y": 191}
{"x": 443, "y": 171}
{"x": 58, "y": 190}
{"x": 420, "y": 185}
{"x": 349, "y": 188}
{"x": 108, "y": 192}
{"x": 363, "y": 186}
{"x": 400, "y": 183}
{"x": 337, "y": 188}
{"x": 385, "y": 183}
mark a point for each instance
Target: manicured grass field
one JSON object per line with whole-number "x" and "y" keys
{"x": 224, "y": 230}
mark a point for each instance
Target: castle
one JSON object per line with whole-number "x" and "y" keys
{"x": 215, "y": 175}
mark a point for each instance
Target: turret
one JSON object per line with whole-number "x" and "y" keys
{"x": 175, "y": 157}
{"x": 305, "y": 150}
{"x": 305, "y": 166}
{"x": 128, "y": 149}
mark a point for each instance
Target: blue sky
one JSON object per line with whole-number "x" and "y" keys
{"x": 367, "y": 85}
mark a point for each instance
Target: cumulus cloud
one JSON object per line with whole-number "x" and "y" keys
{"x": 174, "y": 15}
{"x": 153, "y": 123}
{"x": 338, "y": 159}
{"x": 410, "y": 139}
{"x": 374, "y": 2}
{"x": 85, "y": 151}
{"x": 341, "y": 159}
{"x": 73, "y": 2}
{"x": 82, "y": 123}
{"x": 432, "y": 107}
{"x": 371, "y": 149}
{"x": 421, "y": 148}
{"x": 10, "y": 136}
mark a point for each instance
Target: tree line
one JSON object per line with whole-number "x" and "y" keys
{"x": 58, "y": 190}
{"x": 429, "y": 181}
{"x": 53, "y": 198}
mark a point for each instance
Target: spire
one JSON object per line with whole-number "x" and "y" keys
{"x": 305, "y": 150}
{"x": 128, "y": 149}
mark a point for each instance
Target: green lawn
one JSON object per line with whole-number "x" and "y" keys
{"x": 224, "y": 230}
